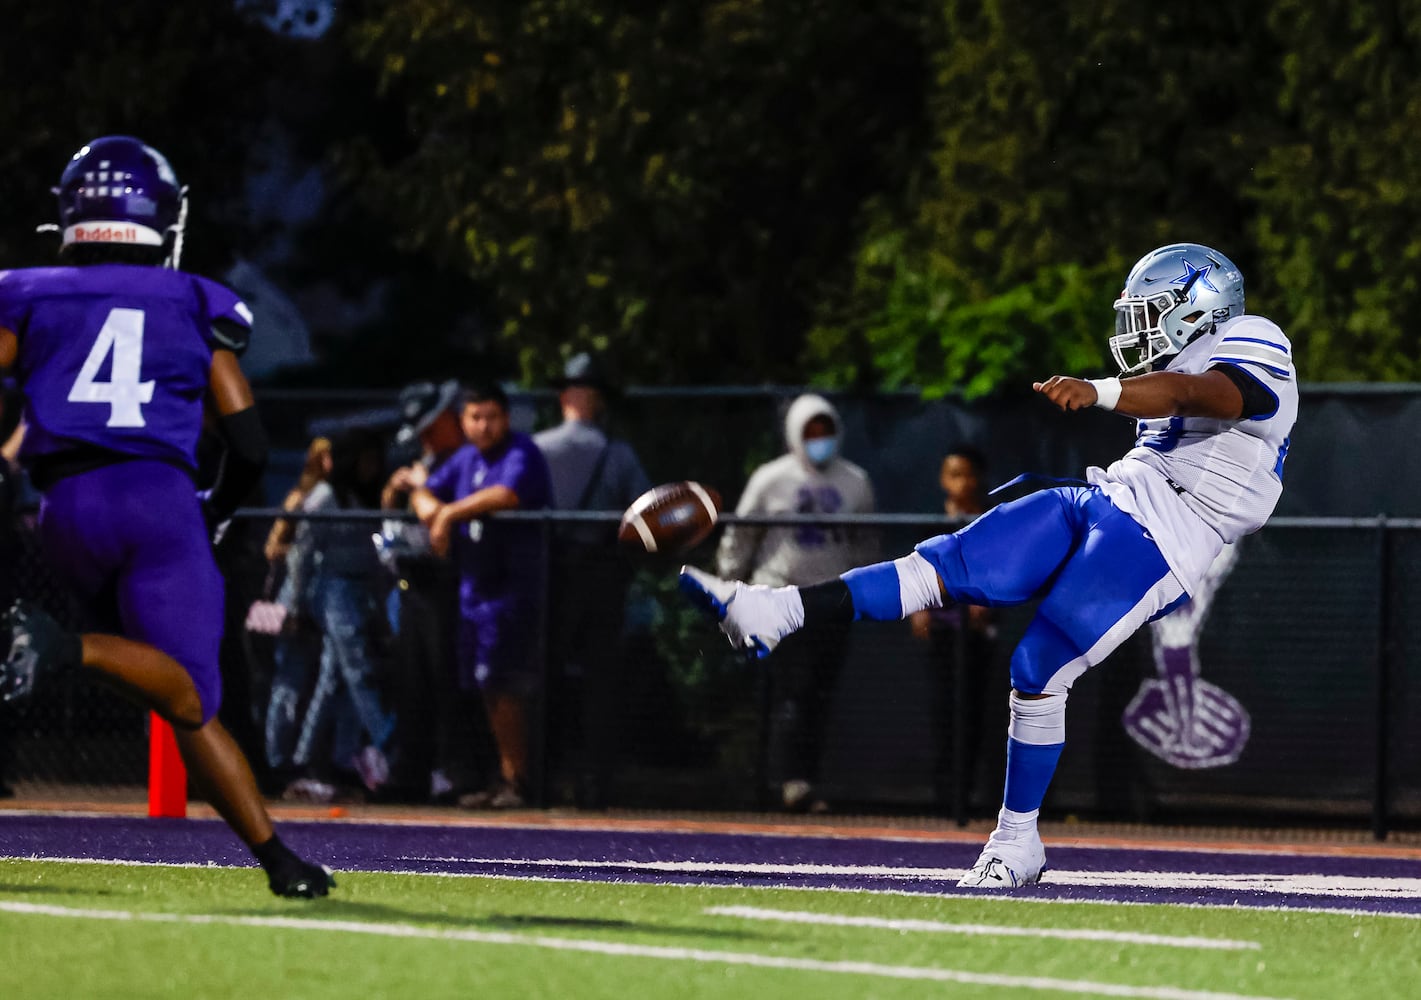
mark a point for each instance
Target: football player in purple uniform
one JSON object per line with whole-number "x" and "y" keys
{"x": 119, "y": 353}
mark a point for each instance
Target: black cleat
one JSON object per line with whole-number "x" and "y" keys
{"x": 38, "y": 645}
{"x": 302, "y": 880}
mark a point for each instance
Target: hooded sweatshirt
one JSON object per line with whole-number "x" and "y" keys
{"x": 800, "y": 554}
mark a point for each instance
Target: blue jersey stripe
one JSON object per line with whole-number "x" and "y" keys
{"x": 1271, "y": 369}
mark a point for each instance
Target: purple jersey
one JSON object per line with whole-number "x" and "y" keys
{"x": 117, "y": 356}
{"x": 496, "y": 560}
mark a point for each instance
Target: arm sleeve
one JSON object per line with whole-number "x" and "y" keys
{"x": 1258, "y": 400}
{"x": 242, "y": 464}
{"x": 1254, "y": 354}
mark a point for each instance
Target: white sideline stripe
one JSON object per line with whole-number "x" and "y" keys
{"x": 1008, "y": 898}
{"x": 620, "y": 950}
{"x": 987, "y": 930}
{"x": 1300, "y": 884}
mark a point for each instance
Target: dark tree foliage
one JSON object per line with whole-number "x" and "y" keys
{"x": 1068, "y": 140}
{"x": 187, "y": 78}
{"x": 1338, "y": 217}
{"x": 934, "y": 193}
{"x": 676, "y": 183}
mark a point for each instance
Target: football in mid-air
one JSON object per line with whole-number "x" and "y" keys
{"x": 670, "y": 518}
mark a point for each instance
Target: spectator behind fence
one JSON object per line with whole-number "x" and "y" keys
{"x": 335, "y": 577}
{"x": 591, "y": 470}
{"x": 961, "y": 642}
{"x": 297, "y": 643}
{"x": 1213, "y": 396}
{"x": 114, "y": 456}
{"x": 811, "y": 478}
{"x": 441, "y": 731}
{"x": 500, "y": 566}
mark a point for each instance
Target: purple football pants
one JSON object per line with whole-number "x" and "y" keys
{"x": 133, "y": 532}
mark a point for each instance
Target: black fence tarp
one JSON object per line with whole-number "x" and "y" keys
{"x": 1310, "y": 633}
{"x": 1313, "y": 632}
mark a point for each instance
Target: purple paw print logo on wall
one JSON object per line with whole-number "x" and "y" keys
{"x": 1179, "y": 717}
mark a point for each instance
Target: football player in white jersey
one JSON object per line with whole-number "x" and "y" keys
{"x": 1215, "y": 395}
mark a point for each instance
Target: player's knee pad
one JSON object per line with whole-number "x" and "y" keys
{"x": 1038, "y": 721}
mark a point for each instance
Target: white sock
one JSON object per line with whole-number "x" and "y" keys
{"x": 1015, "y": 825}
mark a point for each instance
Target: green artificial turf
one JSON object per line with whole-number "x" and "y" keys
{"x": 127, "y": 931}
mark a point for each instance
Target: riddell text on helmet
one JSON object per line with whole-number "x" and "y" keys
{"x": 107, "y": 233}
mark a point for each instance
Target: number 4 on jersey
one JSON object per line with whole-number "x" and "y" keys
{"x": 121, "y": 335}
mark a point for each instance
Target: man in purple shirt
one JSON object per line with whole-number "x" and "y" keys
{"x": 118, "y": 356}
{"x": 500, "y": 572}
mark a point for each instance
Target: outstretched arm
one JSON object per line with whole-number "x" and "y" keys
{"x": 441, "y": 517}
{"x": 1155, "y": 394}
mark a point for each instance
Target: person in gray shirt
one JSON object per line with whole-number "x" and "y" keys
{"x": 592, "y": 471}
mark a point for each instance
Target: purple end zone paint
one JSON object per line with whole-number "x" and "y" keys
{"x": 498, "y": 850}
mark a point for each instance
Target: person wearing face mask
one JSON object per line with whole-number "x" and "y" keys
{"x": 811, "y": 478}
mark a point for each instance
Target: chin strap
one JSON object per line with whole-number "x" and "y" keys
{"x": 177, "y": 229}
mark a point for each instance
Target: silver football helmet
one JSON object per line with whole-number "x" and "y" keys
{"x": 1171, "y": 296}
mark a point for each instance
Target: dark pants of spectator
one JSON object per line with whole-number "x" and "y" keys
{"x": 801, "y": 680}
{"x": 438, "y": 727}
{"x": 961, "y": 660}
{"x": 586, "y": 668}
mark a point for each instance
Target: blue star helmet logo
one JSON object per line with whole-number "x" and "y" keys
{"x": 1189, "y": 271}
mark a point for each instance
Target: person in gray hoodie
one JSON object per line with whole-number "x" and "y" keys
{"x": 811, "y": 478}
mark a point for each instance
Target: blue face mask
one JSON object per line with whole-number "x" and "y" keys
{"x": 821, "y": 450}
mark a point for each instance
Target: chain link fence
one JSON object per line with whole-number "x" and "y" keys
{"x": 1309, "y": 635}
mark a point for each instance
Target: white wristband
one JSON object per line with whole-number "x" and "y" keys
{"x": 1107, "y": 392}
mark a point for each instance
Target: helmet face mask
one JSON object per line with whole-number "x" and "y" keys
{"x": 1171, "y": 296}
{"x": 119, "y": 191}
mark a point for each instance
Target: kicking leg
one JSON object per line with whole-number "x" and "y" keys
{"x": 1004, "y": 557}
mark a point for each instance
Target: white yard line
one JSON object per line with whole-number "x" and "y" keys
{"x": 985, "y": 930}
{"x": 619, "y": 950}
{"x": 1098, "y": 879}
{"x": 1375, "y": 887}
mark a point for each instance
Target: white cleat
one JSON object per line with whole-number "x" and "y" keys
{"x": 1005, "y": 865}
{"x": 753, "y": 617}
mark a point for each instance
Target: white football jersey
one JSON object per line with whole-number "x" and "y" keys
{"x": 1196, "y": 483}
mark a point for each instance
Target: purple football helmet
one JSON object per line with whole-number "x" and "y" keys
{"x": 118, "y": 189}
